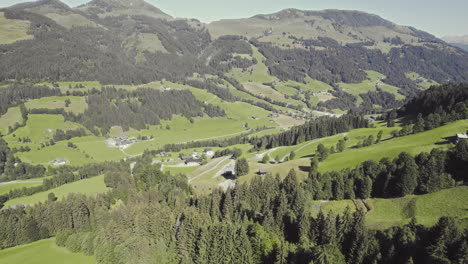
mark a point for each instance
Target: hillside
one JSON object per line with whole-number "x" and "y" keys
{"x": 458, "y": 41}
{"x": 130, "y": 136}
{"x": 303, "y": 59}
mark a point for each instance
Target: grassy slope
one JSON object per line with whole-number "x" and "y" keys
{"x": 369, "y": 85}
{"x": 7, "y": 187}
{"x": 351, "y": 157}
{"x": 78, "y": 104}
{"x": 90, "y": 186}
{"x": 390, "y": 212}
{"x": 9, "y": 119}
{"x": 43, "y": 251}
{"x": 413, "y": 144}
{"x": 48, "y": 154}
{"x": 12, "y": 30}
{"x": 41, "y": 128}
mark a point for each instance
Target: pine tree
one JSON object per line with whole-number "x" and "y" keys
{"x": 242, "y": 167}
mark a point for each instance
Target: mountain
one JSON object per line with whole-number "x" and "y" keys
{"x": 133, "y": 42}
{"x": 286, "y": 27}
{"x": 458, "y": 41}
{"x": 104, "y": 8}
{"x": 57, "y": 11}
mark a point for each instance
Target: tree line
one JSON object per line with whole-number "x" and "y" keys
{"x": 137, "y": 109}
{"x": 265, "y": 221}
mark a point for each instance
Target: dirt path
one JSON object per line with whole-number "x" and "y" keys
{"x": 228, "y": 167}
{"x": 209, "y": 170}
{"x": 14, "y": 182}
{"x": 261, "y": 155}
{"x": 312, "y": 142}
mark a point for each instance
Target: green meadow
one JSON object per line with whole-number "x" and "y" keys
{"x": 413, "y": 144}
{"x": 41, "y": 252}
{"x": 370, "y": 85}
{"x": 389, "y": 147}
{"x": 4, "y": 189}
{"x": 91, "y": 186}
{"x": 41, "y": 128}
{"x": 48, "y": 154}
{"x": 12, "y": 117}
{"x": 78, "y": 104}
{"x": 386, "y": 213}
{"x": 12, "y": 30}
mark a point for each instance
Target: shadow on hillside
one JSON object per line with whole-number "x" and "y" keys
{"x": 447, "y": 140}
{"x": 304, "y": 168}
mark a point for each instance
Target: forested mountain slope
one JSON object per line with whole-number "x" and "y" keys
{"x": 132, "y": 42}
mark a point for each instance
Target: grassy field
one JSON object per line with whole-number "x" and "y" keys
{"x": 266, "y": 132}
{"x": 43, "y": 251}
{"x": 204, "y": 179}
{"x": 97, "y": 149}
{"x": 422, "y": 82}
{"x": 59, "y": 150}
{"x": 182, "y": 130}
{"x": 9, "y": 119}
{"x": 394, "y": 212}
{"x": 71, "y": 20}
{"x": 78, "y": 104}
{"x": 12, "y": 30}
{"x": 41, "y": 128}
{"x": 369, "y": 85}
{"x": 4, "y": 189}
{"x": 91, "y": 186}
{"x": 413, "y": 144}
{"x": 258, "y": 73}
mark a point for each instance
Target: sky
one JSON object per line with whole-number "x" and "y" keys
{"x": 441, "y": 18}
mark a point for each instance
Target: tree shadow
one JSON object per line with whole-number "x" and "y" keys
{"x": 229, "y": 175}
{"x": 447, "y": 140}
{"x": 304, "y": 168}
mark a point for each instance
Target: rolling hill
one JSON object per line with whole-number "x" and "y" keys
{"x": 295, "y": 52}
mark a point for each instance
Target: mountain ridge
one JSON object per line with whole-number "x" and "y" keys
{"x": 115, "y": 42}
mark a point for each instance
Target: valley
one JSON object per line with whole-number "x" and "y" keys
{"x": 128, "y": 135}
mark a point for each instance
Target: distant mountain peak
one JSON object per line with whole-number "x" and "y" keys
{"x": 345, "y": 17}
{"x": 123, "y": 7}
{"x": 55, "y": 4}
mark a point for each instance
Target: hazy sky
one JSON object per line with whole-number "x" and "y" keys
{"x": 439, "y": 17}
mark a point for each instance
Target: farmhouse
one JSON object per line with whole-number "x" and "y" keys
{"x": 59, "y": 162}
{"x": 262, "y": 171}
{"x": 209, "y": 152}
{"x": 165, "y": 154}
{"x": 121, "y": 142}
{"x": 16, "y": 206}
{"x": 462, "y": 137}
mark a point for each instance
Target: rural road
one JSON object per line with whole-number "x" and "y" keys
{"x": 312, "y": 142}
{"x": 13, "y": 182}
{"x": 261, "y": 155}
{"x": 228, "y": 167}
{"x": 209, "y": 170}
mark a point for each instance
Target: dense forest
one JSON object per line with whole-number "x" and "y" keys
{"x": 17, "y": 94}
{"x": 137, "y": 109}
{"x": 447, "y": 98}
{"x": 11, "y": 167}
{"x": 318, "y": 128}
{"x": 266, "y": 221}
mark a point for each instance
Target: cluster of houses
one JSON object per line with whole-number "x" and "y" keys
{"x": 121, "y": 142}
{"x": 195, "y": 158}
